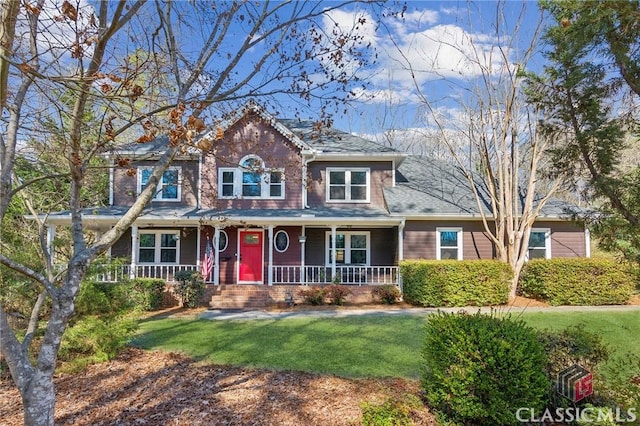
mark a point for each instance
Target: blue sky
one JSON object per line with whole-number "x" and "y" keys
{"x": 437, "y": 39}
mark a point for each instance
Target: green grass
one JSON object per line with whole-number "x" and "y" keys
{"x": 359, "y": 346}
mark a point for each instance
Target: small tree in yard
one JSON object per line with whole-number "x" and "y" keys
{"x": 493, "y": 136}
{"x": 140, "y": 70}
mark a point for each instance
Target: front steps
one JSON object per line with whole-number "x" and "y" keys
{"x": 240, "y": 297}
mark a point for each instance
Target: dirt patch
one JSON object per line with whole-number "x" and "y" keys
{"x": 141, "y": 387}
{"x": 522, "y": 302}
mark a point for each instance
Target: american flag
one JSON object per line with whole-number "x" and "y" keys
{"x": 207, "y": 262}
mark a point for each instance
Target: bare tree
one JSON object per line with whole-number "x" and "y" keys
{"x": 493, "y": 135}
{"x": 146, "y": 68}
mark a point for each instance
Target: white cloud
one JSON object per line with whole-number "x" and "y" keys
{"x": 358, "y": 23}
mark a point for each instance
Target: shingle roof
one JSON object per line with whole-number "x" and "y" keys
{"x": 425, "y": 186}
{"x": 333, "y": 140}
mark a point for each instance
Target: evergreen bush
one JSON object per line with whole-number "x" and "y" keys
{"x": 479, "y": 369}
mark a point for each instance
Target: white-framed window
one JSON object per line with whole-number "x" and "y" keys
{"x": 223, "y": 240}
{"x": 449, "y": 243}
{"x": 539, "y": 244}
{"x": 169, "y": 185}
{"x": 250, "y": 180}
{"x": 351, "y": 248}
{"x": 159, "y": 246}
{"x": 348, "y": 185}
{"x": 281, "y": 241}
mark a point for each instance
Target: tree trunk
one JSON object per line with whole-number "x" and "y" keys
{"x": 39, "y": 400}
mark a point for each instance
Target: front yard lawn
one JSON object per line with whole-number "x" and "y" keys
{"x": 358, "y": 346}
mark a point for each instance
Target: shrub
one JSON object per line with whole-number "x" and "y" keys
{"x": 313, "y": 295}
{"x": 577, "y": 281}
{"x": 455, "y": 283}
{"x": 337, "y": 294}
{"x": 147, "y": 293}
{"x": 387, "y": 293}
{"x": 95, "y": 339}
{"x": 190, "y": 288}
{"x": 480, "y": 369}
{"x": 99, "y": 298}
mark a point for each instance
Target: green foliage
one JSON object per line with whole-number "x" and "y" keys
{"x": 148, "y": 293}
{"x": 580, "y": 98}
{"x": 314, "y": 295}
{"x": 392, "y": 412}
{"x": 577, "y": 281}
{"x": 387, "y": 293}
{"x": 455, "y": 283}
{"x": 480, "y": 369}
{"x": 337, "y": 294}
{"x": 98, "y": 298}
{"x": 95, "y": 339}
{"x": 190, "y": 288}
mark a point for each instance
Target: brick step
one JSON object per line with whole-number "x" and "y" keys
{"x": 240, "y": 297}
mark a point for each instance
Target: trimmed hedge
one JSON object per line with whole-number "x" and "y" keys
{"x": 577, "y": 281}
{"x": 437, "y": 283}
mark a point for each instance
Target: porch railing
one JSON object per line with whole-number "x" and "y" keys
{"x": 345, "y": 274}
{"x": 115, "y": 273}
{"x": 282, "y": 274}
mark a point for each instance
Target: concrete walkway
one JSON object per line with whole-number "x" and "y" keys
{"x": 220, "y": 314}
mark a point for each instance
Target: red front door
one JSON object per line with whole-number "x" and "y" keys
{"x": 250, "y": 269}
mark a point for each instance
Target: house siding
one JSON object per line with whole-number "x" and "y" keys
{"x": 125, "y": 187}
{"x": 567, "y": 238}
{"x": 381, "y": 176}
{"x": 251, "y": 136}
{"x": 188, "y": 244}
{"x": 420, "y": 239}
{"x": 383, "y": 241}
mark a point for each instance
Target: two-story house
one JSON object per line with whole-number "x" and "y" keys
{"x": 277, "y": 202}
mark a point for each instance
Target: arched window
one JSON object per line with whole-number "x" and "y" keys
{"x": 251, "y": 179}
{"x": 252, "y": 170}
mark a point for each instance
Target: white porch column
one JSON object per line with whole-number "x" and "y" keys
{"x": 216, "y": 255}
{"x": 401, "y": 241}
{"x": 302, "y": 239}
{"x": 587, "y": 242}
{"x": 134, "y": 251}
{"x": 270, "y": 268}
{"x": 333, "y": 252}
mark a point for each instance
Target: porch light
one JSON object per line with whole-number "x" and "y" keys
{"x": 302, "y": 239}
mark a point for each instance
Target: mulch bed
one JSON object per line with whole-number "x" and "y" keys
{"x": 157, "y": 388}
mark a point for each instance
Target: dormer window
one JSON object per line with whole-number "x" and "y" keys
{"x": 169, "y": 186}
{"x": 251, "y": 179}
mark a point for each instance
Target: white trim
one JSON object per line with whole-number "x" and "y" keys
{"x": 347, "y": 184}
{"x": 216, "y": 253}
{"x": 226, "y": 239}
{"x": 275, "y": 238}
{"x": 134, "y": 251}
{"x": 587, "y": 242}
{"x": 270, "y": 267}
{"x": 547, "y": 241}
{"x": 158, "y": 195}
{"x": 459, "y": 246}
{"x": 111, "y": 172}
{"x": 331, "y": 248}
{"x": 265, "y": 181}
{"x": 158, "y": 245}
{"x": 240, "y": 230}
